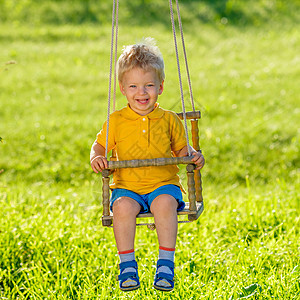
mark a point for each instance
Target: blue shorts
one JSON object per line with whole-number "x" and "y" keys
{"x": 146, "y": 199}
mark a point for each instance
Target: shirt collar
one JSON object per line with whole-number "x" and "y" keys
{"x": 128, "y": 113}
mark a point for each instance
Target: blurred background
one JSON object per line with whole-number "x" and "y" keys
{"x": 244, "y": 65}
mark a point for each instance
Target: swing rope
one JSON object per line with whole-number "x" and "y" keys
{"x": 179, "y": 75}
{"x": 114, "y": 27}
{"x": 185, "y": 56}
{"x": 116, "y": 53}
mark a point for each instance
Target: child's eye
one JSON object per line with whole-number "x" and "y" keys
{"x": 132, "y": 86}
{"x": 150, "y": 84}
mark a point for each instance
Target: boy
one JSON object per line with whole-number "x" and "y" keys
{"x": 139, "y": 131}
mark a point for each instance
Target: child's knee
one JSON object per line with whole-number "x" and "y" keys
{"x": 125, "y": 205}
{"x": 165, "y": 203}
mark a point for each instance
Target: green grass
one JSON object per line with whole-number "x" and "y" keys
{"x": 53, "y": 101}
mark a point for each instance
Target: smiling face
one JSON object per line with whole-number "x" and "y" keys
{"x": 141, "y": 89}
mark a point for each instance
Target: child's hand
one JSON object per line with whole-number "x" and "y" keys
{"x": 198, "y": 159}
{"x": 99, "y": 163}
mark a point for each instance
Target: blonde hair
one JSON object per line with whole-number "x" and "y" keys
{"x": 145, "y": 55}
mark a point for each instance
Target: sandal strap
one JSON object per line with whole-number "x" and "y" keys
{"x": 162, "y": 275}
{"x": 165, "y": 262}
{"x": 127, "y": 275}
{"x": 128, "y": 264}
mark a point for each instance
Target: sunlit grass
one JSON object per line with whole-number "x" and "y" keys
{"x": 53, "y": 245}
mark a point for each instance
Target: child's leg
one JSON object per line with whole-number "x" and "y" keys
{"x": 125, "y": 210}
{"x": 164, "y": 208}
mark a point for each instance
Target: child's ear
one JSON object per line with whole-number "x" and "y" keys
{"x": 122, "y": 88}
{"x": 161, "y": 88}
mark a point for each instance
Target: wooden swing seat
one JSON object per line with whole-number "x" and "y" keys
{"x": 193, "y": 208}
{"x": 192, "y": 215}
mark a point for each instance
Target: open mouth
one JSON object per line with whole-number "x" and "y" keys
{"x": 142, "y": 101}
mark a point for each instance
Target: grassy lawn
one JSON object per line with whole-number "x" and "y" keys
{"x": 53, "y": 100}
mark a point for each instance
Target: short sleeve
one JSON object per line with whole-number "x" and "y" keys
{"x": 101, "y": 136}
{"x": 178, "y": 138}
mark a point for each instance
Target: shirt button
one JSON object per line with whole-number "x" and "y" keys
{"x": 144, "y": 119}
{"x": 144, "y": 130}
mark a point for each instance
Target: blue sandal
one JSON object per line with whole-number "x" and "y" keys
{"x": 169, "y": 278}
{"x": 133, "y": 276}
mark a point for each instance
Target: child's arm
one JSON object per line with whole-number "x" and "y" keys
{"x": 97, "y": 158}
{"x": 198, "y": 158}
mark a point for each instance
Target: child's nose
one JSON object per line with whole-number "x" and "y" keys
{"x": 142, "y": 90}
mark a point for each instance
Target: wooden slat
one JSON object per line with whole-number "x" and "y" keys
{"x": 193, "y": 215}
{"x": 162, "y": 161}
{"x": 190, "y": 115}
{"x": 185, "y": 211}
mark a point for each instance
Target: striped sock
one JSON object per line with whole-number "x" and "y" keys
{"x": 125, "y": 256}
{"x": 169, "y": 254}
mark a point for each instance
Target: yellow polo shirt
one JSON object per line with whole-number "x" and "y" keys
{"x": 144, "y": 137}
